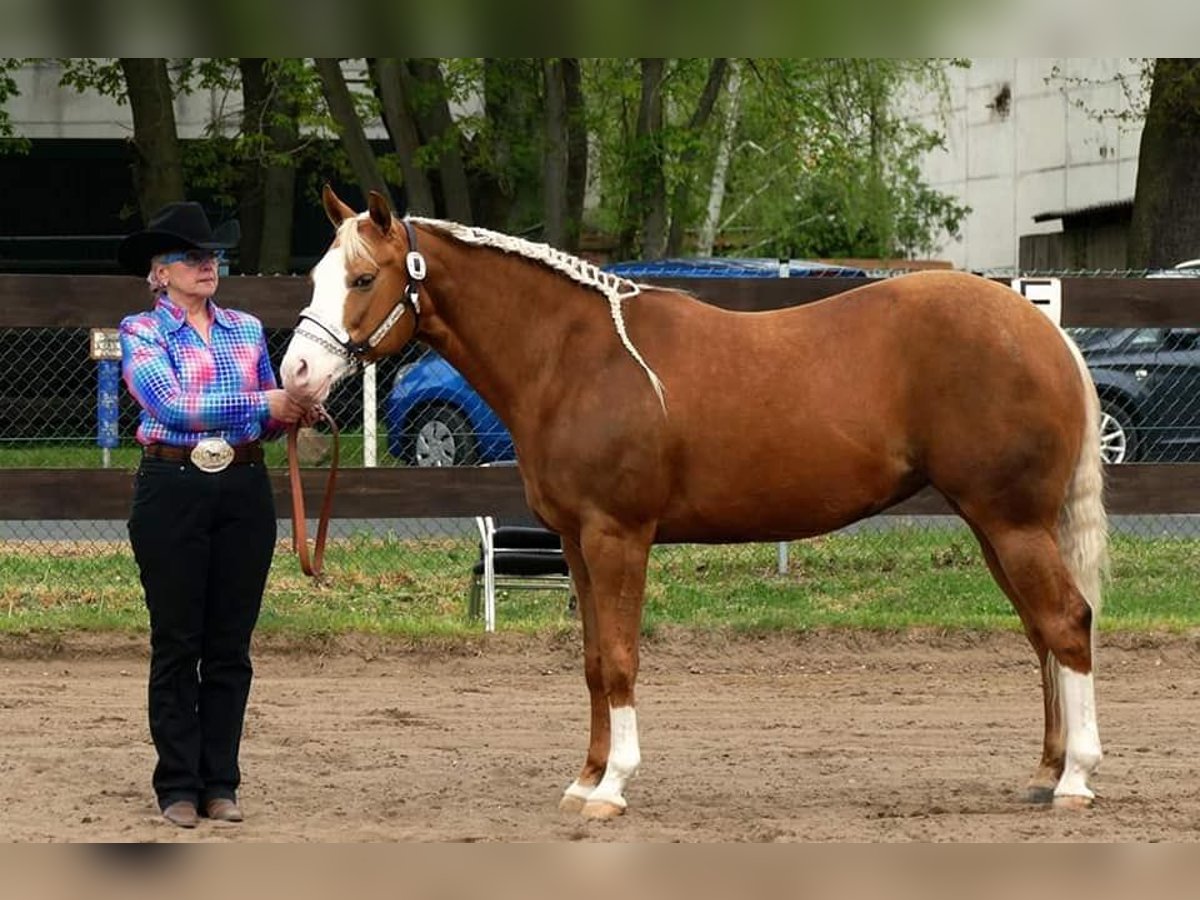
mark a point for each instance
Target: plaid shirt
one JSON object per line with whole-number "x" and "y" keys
{"x": 190, "y": 390}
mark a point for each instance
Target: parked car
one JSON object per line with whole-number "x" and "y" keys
{"x": 435, "y": 418}
{"x": 1149, "y": 385}
{"x": 1147, "y": 379}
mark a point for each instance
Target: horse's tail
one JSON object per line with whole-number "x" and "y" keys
{"x": 1083, "y": 523}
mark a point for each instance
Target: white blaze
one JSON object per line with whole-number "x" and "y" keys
{"x": 309, "y": 369}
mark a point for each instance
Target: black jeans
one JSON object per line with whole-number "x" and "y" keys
{"x": 203, "y": 544}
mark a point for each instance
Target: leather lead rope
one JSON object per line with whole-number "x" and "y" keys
{"x": 313, "y": 567}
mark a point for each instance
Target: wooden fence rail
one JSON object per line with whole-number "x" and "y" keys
{"x": 54, "y": 301}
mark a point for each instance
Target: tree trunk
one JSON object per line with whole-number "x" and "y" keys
{"x": 438, "y": 128}
{"x": 268, "y": 193}
{"x": 506, "y": 187}
{"x": 680, "y": 214}
{"x": 158, "y": 166}
{"x": 577, "y": 150}
{"x": 554, "y": 154}
{"x": 716, "y": 190}
{"x": 650, "y": 180}
{"x": 255, "y": 95}
{"x": 389, "y": 78}
{"x": 354, "y": 139}
{"x": 1166, "y": 207}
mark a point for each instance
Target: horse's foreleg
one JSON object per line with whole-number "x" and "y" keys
{"x": 581, "y": 788}
{"x": 616, "y": 561}
{"x": 1050, "y": 769}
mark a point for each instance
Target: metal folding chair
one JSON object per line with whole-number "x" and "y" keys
{"x": 514, "y": 555}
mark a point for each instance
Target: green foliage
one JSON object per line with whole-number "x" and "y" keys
{"x": 10, "y": 142}
{"x": 823, "y": 162}
{"x": 102, "y": 75}
{"x": 829, "y": 166}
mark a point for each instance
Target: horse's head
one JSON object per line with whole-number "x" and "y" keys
{"x": 365, "y": 299}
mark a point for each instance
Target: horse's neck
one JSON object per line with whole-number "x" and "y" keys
{"x": 502, "y": 320}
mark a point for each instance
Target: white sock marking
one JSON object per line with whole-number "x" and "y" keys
{"x": 1083, "y": 736}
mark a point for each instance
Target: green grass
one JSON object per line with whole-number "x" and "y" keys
{"x": 392, "y": 586}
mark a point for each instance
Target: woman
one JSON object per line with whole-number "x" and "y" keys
{"x": 203, "y": 520}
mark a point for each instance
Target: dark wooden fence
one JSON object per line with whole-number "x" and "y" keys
{"x": 52, "y": 301}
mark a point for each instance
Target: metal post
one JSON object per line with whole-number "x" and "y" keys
{"x": 781, "y": 551}
{"x": 108, "y": 379}
{"x": 370, "y": 425}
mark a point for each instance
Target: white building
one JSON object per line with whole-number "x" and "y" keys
{"x": 1018, "y": 144}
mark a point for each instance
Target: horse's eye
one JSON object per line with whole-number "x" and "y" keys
{"x": 362, "y": 281}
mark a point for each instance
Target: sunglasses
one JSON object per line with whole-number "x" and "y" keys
{"x": 193, "y": 258}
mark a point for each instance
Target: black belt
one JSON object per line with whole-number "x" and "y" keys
{"x": 247, "y": 453}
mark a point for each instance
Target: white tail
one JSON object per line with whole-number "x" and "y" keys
{"x": 1083, "y": 524}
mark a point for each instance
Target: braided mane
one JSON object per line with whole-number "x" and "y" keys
{"x": 613, "y": 287}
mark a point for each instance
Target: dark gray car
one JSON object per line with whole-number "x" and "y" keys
{"x": 1149, "y": 385}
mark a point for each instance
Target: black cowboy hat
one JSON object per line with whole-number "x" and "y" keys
{"x": 177, "y": 226}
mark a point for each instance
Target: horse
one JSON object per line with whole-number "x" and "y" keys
{"x": 630, "y": 407}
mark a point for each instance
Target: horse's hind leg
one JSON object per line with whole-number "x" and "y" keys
{"x": 1054, "y": 746}
{"x": 1058, "y": 616}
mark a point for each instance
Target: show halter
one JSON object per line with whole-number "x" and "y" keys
{"x": 338, "y": 340}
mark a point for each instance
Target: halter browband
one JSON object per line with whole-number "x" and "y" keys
{"x": 339, "y": 341}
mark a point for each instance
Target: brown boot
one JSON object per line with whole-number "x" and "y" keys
{"x": 182, "y": 813}
{"x": 222, "y": 809}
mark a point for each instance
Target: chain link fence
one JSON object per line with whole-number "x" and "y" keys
{"x": 416, "y": 410}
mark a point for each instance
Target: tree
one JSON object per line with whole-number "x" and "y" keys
{"x": 812, "y": 156}
{"x": 1166, "y": 207}
{"x": 564, "y": 152}
{"x": 158, "y": 166}
{"x": 10, "y": 142}
{"x": 648, "y": 184}
{"x": 271, "y": 97}
{"x": 391, "y": 84}
{"x": 827, "y": 166}
{"x": 798, "y": 156}
{"x": 681, "y": 213}
{"x": 348, "y": 123}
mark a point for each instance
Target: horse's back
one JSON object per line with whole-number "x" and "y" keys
{"x": 801, "y": 420}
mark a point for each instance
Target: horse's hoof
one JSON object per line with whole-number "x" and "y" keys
{"x": 1072, "y": 802}
{"x": 571, "y": 804}
{"x": 1039, "y": 795}
{"x": 601, "y": 809}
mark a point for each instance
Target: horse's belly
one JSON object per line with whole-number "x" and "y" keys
{"x": 766, "y": 511}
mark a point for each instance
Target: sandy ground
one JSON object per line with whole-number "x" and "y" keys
{"x": 824, "y": 737}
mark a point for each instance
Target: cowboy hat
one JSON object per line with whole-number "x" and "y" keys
{"x": 177, "y": 226}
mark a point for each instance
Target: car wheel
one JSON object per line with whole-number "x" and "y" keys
{"x": 440, "y": 436}
{"x": 1118, "y": 440}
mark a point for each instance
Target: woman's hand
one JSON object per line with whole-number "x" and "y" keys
{"x": 312, "y": 415}
{"x": 284, "y": 408}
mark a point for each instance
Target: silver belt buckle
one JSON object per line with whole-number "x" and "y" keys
{"x": 212, "y": 455}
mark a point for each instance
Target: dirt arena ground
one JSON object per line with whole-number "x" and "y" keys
{"x": 824, "y": 737}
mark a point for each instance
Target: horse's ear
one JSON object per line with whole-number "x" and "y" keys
{"x": 337, "y": 211}
{"x": 380, "y": 210}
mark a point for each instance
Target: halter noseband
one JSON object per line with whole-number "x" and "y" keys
{"x": 338, "y": 341}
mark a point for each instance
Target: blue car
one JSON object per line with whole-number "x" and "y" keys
{"x": 434, "y": 418}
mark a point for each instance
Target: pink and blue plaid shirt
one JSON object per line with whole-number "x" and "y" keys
{"x": 190, "y": 390}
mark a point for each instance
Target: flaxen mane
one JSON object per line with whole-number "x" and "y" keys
{"x": 615, "y": 288}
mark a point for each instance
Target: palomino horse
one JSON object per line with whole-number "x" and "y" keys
{"x": 631, "y": 407}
